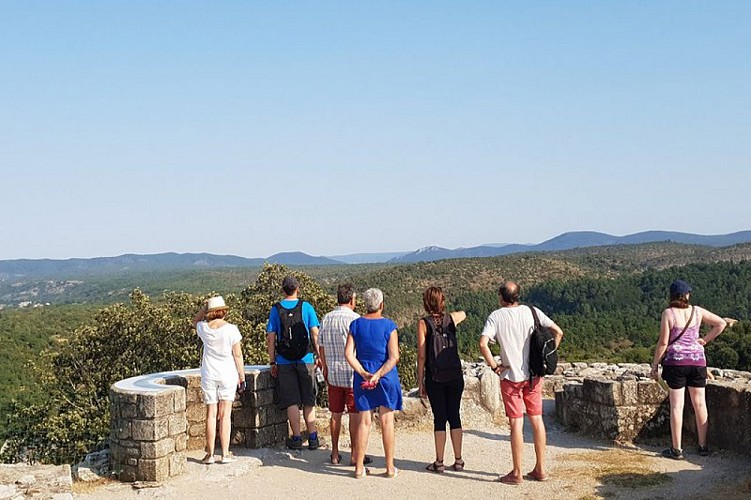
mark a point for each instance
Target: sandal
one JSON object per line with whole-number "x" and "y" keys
{"x": 392, "y": 475}
{"x": 365, "y": 472}
{"x": 365, "y": 461}
{"x": 436, "y": 466}
{"x": 336, "y": 461}
{"x": 458, "y": 465}
{"x": 208, "y": 459}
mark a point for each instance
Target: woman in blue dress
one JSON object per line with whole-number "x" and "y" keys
{"x": 372, "y": 350}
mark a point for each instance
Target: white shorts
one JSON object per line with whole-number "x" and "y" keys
{"x": 218, "y": 390}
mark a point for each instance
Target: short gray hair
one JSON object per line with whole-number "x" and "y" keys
{"x": 373, "y": 298}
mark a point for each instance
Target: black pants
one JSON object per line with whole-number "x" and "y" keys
{"x": 445, "y": 399}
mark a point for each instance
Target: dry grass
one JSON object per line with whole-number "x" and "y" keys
{"x": 620, "y": 468}
{"x": 82, "y": 488}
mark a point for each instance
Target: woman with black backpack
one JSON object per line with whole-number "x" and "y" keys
{"x": 439, "y": 373}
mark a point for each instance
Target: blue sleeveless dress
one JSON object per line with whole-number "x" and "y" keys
{"x": 371, "y": 338}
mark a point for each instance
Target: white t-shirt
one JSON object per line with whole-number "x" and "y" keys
{"x": 218, "y": 363}
{"x": 511, "y": 328}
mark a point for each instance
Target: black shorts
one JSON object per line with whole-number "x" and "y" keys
{"x": 296, "y": 385}
{"x": 678, "y": 377}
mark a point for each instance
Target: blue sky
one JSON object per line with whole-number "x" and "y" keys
{"x": 251, "y": 128}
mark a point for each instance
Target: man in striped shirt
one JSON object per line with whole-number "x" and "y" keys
{"x": 331, "y": 339}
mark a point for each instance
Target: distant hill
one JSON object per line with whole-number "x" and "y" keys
{"x": 572, "y": 240}
{"x": 367, "y": 258}
{"x": 301, "y": 259}
{"x": 127, "y": 262}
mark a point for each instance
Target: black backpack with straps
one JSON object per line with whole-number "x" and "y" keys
{"x": 442, "y": 363}
{"x": 293, "y": 340}
{"x": 543, "y": 353}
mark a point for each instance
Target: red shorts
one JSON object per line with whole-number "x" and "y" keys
{"x": 518, "y": 395}
{"x": 339, "y": 397}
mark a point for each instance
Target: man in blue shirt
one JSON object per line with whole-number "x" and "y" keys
{"x": 296, "y": 382}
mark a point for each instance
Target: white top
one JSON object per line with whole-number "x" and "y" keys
{"x": 218, "y": 363}
{"x": 511, "y": 327}
{"x": 333, "y": 336}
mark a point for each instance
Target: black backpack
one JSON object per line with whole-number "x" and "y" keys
{"x": 293, "y": 341}
{"x": 443, "y": 363}
{"x": 543, "y": 353}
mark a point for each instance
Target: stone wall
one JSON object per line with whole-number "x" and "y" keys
{"x": 621, "y": 403}
{"x": 155, "y": 418}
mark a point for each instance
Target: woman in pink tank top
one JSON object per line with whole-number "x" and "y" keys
{"x": 680, "y": 349}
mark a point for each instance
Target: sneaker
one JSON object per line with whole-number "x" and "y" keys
{"x": 704, "y": 451}
{"x": 313, "y": 444}
{"x": 673, "y": 453}
{"x": 294, "y": 444}
{"x": 227, "y": 459}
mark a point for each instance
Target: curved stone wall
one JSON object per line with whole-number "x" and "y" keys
{"x": 156, "y": 417}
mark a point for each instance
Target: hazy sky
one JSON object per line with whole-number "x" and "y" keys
{"x": 251, "y": 128}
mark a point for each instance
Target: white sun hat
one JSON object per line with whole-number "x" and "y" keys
{"x": 215, "y": 304}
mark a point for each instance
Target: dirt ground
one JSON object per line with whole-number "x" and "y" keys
{"x": 579, "y": 468}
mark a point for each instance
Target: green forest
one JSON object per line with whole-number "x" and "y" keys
{"x": 59, "y": 361}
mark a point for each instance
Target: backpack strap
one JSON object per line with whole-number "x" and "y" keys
{"x": 534, "y": 316}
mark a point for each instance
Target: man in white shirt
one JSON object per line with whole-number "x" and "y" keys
{"x": 511, "y": 326}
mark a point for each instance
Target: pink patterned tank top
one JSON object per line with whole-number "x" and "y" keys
{"x": 686, "y": 351}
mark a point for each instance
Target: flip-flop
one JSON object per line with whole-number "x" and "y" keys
{"x": 511, "y": 479}
{"x": 536, "y": 477}
{"x": 335, "y": 462}
{"x": 393, "y": 475}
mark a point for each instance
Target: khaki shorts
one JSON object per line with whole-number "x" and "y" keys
{"x": 296, "y": 385}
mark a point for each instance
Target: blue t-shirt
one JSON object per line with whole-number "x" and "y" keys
{"x": 309, "y": 318}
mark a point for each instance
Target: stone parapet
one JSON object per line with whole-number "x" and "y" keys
{"x": 621, "y": 403}
{"x": 156, "y": 417}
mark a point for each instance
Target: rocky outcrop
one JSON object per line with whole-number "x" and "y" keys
{"x": 35, "y": 481}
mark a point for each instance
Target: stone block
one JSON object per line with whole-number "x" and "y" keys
{"x": 180, "y": 400}
{"x": 122, "y": 398}
{"x": 260, "y": 438}
{"x": 237, "y": 437}
{"x": 133, "y": 450}
{"x": 194, "y": 381}
{"x": 196, "y": 443}
{"x": 604, "y": 392}
{"x": 196, "y": 412}
{"x": 122, "y": 430}
{"x": 157, "y": 449}
{"x": 128, "y": 474}
{"x": 260, "y": 398}
{"x": 471, "y": 388}
{"x": 650, "y": 393}
{"x": 156, "y": 405}
{"x": 259, "y": 380}
{"x": 197, "y": 430}
{"x": 573, "y": 390}
{"x": 194, "y": 395}
{"x": 177, "y": 464}
{"x": 128, "y": 411}
{"x": 243, "y": 418}
{"x": 281, "y": 432}
{"x": 490, "y": 390}
{"x": 181, "y": 442}
{"x": 153, "y": 470}
{"x": 629, "y": 393}
{"x": 150, "y": 430}
{"x": 177, "y": 424}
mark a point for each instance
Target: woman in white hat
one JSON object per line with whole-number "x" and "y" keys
{"x": 222, "y": 373}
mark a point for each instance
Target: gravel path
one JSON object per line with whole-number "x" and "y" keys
{"x": 579, "y": 468}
